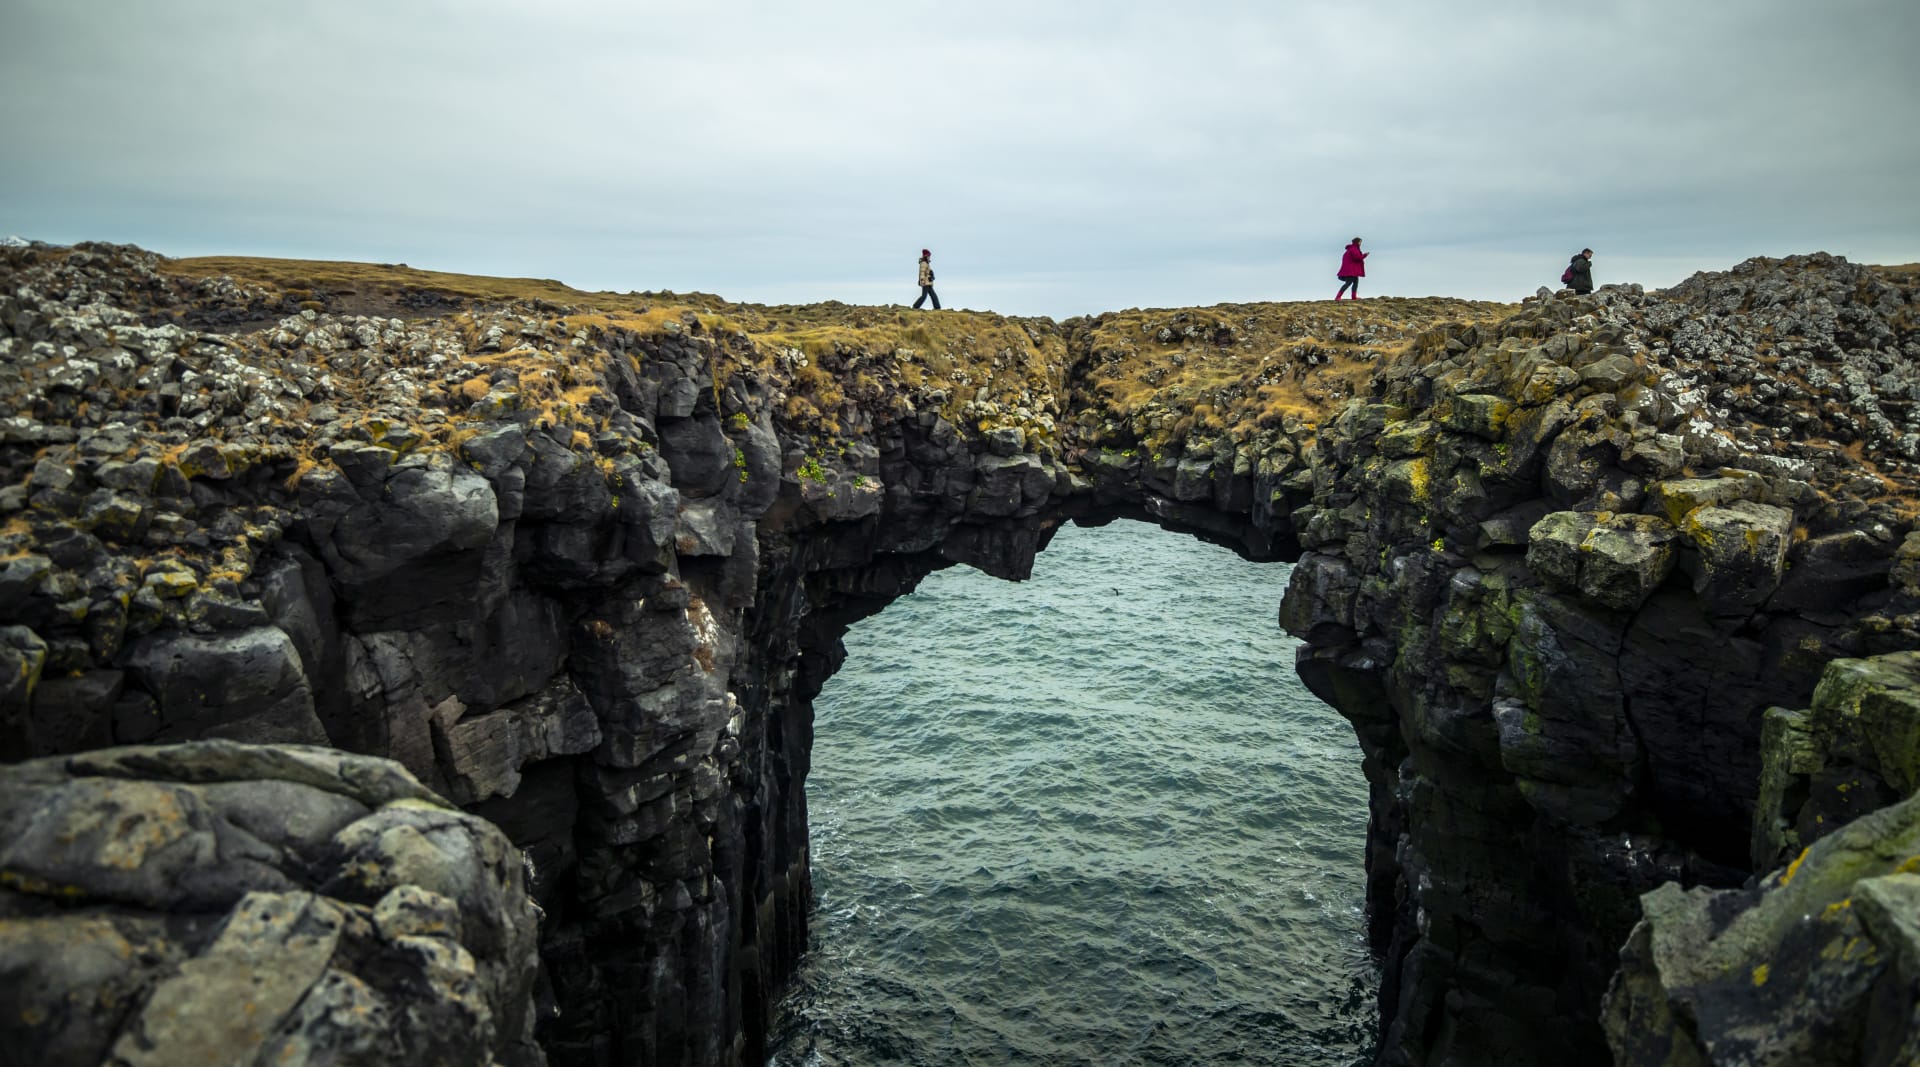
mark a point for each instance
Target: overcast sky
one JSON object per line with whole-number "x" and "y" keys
{"x": 1058, "y": 157}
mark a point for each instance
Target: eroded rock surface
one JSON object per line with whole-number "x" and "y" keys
{"x": 214, "y": 902}
{"x": 1817, "y": 963}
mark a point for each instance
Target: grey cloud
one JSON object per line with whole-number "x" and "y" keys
{"x": 1059, "y": 157}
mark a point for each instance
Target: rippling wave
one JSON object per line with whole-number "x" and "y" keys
{"x": 1092, "y": 818}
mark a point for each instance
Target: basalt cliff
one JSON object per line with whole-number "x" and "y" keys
{"x": 408, "y": 665}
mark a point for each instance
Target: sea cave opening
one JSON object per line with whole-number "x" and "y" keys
{"x": 1090, "y": 817}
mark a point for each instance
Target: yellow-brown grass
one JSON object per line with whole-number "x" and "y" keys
{"x": 1300, "y": 360}
{"x": 302, "y": 276}
{"x": 1249, "y": 367}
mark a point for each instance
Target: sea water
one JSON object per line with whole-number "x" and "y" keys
{"x": 1091, "y": 818}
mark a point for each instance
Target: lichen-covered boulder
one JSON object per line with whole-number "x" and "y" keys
{"x": 1855, "y": 749}
{"x": 1742, "y": 553}
{"x": 1817, "y": 966}
{"x": 1617, "y": 560}
{"x": 216, "y": 902}
{"x": 1483, "y": 415}
{"x": 1682, "y": 496}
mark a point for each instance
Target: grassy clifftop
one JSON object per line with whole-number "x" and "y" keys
{"x": 1154, "y": 374}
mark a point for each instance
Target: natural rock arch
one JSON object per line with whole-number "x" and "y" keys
{"x": 1064, "y": 759}
{"x": 581, "y": 571}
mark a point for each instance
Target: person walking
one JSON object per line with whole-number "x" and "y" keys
{"x": 926, "y": 281}
{"x": 1579, "y": 276}
{"x": 1353, "y": 267}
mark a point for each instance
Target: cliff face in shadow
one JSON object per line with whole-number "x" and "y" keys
{"x": 580, "y": 563}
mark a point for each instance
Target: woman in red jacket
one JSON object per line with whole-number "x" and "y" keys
{"x": 1353, "y": 267}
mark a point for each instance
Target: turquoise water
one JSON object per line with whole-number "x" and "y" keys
{"x": 1092, "y": 818}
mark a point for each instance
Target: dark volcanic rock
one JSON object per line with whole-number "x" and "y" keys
{"x": 1819, "y": 962}
{"x": 223, "y": 903}
{"x": 1598, "y": 709}
{"x": 585, "y": 571}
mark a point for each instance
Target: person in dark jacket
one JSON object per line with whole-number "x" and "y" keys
{"x": 1580, "y": 272}
{"x": 926, "y": 281}
{"x": 1353, "y": 267}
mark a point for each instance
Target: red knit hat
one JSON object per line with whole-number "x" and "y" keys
{"x": 924, "y": 253}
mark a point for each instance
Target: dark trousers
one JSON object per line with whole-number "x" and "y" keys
{"x": 1345, "y": 283}
{"x": 926, "y": 292}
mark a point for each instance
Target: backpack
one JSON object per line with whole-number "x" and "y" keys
{"x": 1566, "y": 276}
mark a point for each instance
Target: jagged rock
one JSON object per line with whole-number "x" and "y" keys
{"x": 1617, "y": 560}
{"x": 225, "y": 903}
{"x": 1742, "y": 551}
{"x": 705, "y": 528}
{"x": 1815, "y": 966}
{"x": 1679, "y": 497}
{"x": 246, "y": 685}
{"x": 484, "y": 753}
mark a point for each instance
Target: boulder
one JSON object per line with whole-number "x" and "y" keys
{"x": 1481, "y": 414}
{"x": 429, "y": 521}
{"x": 1867, "y": 713}
{"x": 701, "y": 456}
{"x": 247, "y": 685}
{"x": 1816, "y": 966}
{"x": 1679, "y": 498}
{"x": 224, "y": 903}
{"x": 1855, "y": 749}
{"x": 1611, "y": 373}
{"x": 1614, "y": 559}
{"x": 562, "y": 485}
{"x": 1742, "y": 553}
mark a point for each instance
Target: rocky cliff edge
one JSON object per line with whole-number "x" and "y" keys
{"x": 581, "y": 561}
